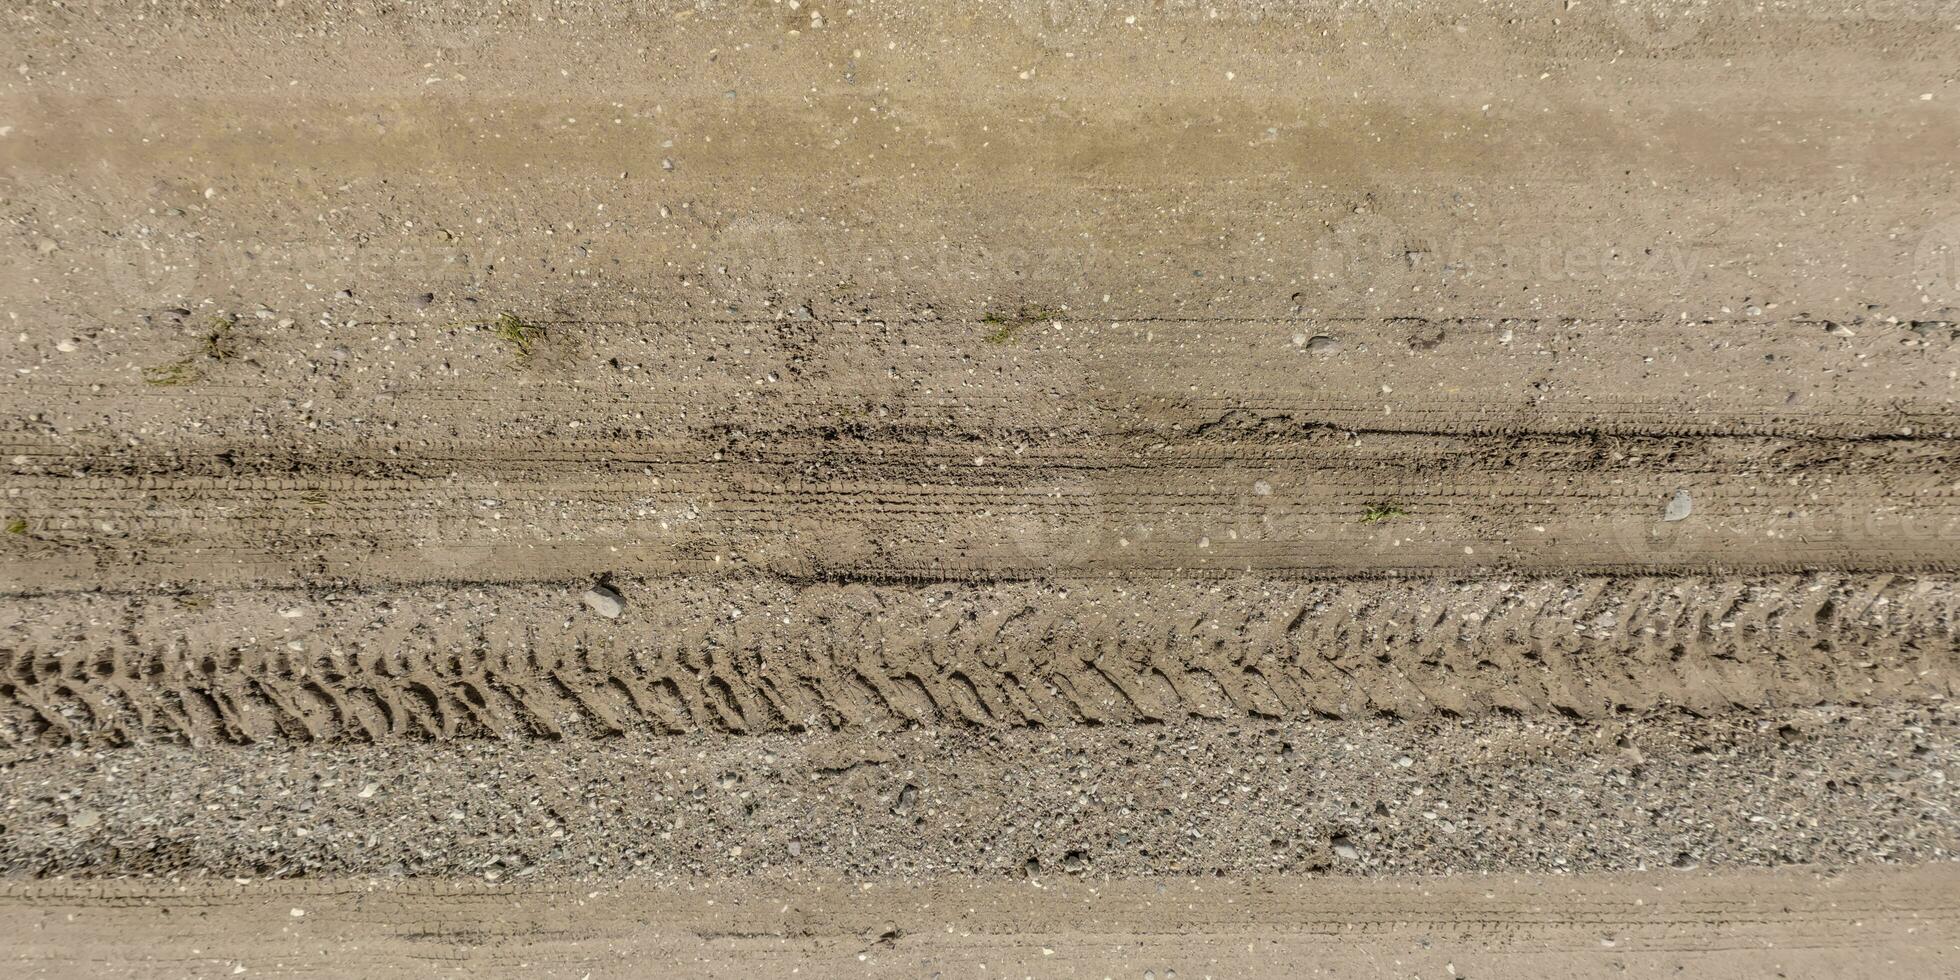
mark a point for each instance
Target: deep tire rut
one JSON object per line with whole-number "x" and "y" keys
{"x": 740, "y": 655}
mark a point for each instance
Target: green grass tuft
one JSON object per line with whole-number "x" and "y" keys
{"x": 220, "y": 343}
{"x": 1008, "y": 326}
{"x": 1378, "y": 513}
{"x": 522, "y": 335}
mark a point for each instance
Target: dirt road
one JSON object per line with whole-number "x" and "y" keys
{"x": 1013, "y": 454}
{"x": 1861, "y": 925}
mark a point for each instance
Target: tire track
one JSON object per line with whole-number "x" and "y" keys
{"x": 748, "y": 656}
{"x": 1273, "y": 494}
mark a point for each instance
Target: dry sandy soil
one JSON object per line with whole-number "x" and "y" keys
{"x": 1073, "y": 488}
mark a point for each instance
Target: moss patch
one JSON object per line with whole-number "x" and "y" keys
{"x": 171, "y": 375}
{"x": 522, "y": 335}
{"x": 1008, "y": 326}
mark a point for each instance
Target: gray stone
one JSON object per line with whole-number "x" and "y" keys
{"x": 1679, "y": 508}
{"x": 605, "y": 601}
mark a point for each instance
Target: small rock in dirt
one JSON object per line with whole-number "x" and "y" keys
{"x": 1426, "y": 339}
{"x": 425, "y": 299}
{"x": 1344, "y": 848}
{"x": 605, "y": 601}
{"x": 1679, "y": 508}
{"x": 1323, "y": 345}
